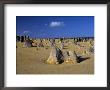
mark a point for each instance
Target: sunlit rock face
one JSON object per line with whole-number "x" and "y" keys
{"x": 69, "y": 57}
{"x": 56, "y": 56}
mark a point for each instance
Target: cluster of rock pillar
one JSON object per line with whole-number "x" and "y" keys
{"x": 58, "y": 56}
{"x": 80, "y": 39}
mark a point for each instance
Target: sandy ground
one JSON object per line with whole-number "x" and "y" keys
{"x": 32, "y": 61}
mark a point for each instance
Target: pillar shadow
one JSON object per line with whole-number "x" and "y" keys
{"x": 81, "y": 59}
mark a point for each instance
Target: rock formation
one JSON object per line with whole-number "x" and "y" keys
{"x": 69, "y": 57}
{"x": 56, "y": 56}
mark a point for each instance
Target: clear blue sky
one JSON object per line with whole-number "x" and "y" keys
{"x": 55, "y": 26}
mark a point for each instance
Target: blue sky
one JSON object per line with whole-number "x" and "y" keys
{"x": 55, "y": 26}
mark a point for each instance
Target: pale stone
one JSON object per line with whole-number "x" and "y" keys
{"x": 69, "y": 57}
{"x": 55, "y": 56}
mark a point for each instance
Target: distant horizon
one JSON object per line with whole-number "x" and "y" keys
{"x": 54, "y": 37}
{"x": 55, "y": 26}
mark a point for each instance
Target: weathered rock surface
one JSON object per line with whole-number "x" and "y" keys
{"x": 69, "y": 57}
{"x": 56, "y": 56}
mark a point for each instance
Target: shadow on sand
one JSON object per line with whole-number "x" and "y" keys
{"x": 80, "y": 59}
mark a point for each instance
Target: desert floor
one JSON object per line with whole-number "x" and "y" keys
{"x": 32, "y": 61}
